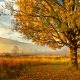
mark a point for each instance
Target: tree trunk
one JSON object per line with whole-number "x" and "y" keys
{"x": 73, "y": 56}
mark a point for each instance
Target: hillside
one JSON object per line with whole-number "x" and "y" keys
{"x": 7, "y": 45}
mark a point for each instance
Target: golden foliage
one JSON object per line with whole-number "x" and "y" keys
{"x": 49, "y": 22}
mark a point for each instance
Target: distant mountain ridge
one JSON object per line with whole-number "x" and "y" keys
{"x": 6, "y": 46}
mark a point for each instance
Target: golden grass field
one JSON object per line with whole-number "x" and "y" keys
{"x": 37, "y": 68}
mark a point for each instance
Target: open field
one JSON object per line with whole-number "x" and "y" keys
{"x": 37, "y": 68}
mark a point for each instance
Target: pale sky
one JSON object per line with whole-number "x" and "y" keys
{"x": 5, "y": 25}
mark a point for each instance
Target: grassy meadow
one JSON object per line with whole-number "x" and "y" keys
{"x": 37, "y": 68}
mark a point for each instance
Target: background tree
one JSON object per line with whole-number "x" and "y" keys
{"x": 15, "y": 50}
{"x": 55, "y": 23}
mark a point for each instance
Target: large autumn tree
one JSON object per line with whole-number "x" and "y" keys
{"x": 55, "y": 23}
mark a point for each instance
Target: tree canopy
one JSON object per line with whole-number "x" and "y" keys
{"x": 50, "y": 22}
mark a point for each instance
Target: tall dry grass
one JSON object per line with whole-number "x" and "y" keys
{"x": 20, "y": 68}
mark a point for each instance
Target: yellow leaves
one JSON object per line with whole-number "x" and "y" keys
{"x": 29, "y": 10}
{"x": 25, "y": 5}
{"x": 72, "y": 24}
{"x": 45, "y": 23}
{"x": 46, "y": 5}
{"x": 71, "y": 3}
{"x": 63, "y": 27}
{"x": 63, "y": 15}
{"x": 78, "y": 22}
{"x": 53, "y": 45}
{"x": 37, "y": 26}
{"x": 33, "y": 1}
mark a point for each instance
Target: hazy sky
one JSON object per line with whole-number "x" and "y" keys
{"x": 5, "y": 25}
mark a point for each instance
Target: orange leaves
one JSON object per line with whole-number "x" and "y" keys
{"x": 37, "y": 26}
{"x": 45, "y": 5}
{"x": 47, "y": 22}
